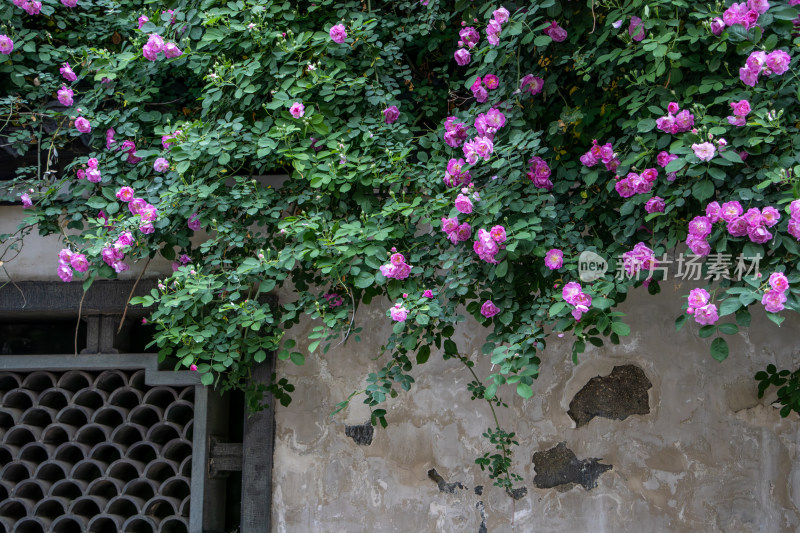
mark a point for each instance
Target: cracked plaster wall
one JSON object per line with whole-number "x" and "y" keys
{"x": 710, "y": 456}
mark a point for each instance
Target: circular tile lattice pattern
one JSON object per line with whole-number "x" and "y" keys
{"x": 93, "y": 451}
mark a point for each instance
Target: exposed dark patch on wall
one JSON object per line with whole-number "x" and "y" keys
{"x": 518, "y": 493}
{"x": 444, "y": 486}
{"x": 616, "y": 396}
{"x": 559, "y": 467}
{"x": 481, "y": 509}
{"x": 361, "y": 434}
{"x": 479, "y": 490}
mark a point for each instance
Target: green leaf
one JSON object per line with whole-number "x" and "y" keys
{"x": 298, "y": 358}
{"x": 703, "y": 190}
{"x": 491, "y": 390}
{"x": 743, "y": 317}
{"x": 675, "y": 165}
{"x": 423, "y": 354}
{"x": 784, "y": 13}
{"x": 422, "y": 319}
{"x": 313, "y": 346}
{"x": 729, "y": 329}
{"x": 207, "y": 379}
{"x": 524, "y": 390}
{"x": 97, "y": 202}
{"x": 502, "y": 269}
{"x": 719, "y": 349}
{"x": 364, "y": 279}
{"x": 680, "y": 321}
{"x": 646, "y": 125}
{"x": 602, "y": 303}
{"x": 706, "y": 331}
{"x": 729, "y": 306}
{"x": 542, "y": 40}
{"x": 557, "y": 308}
{"x": 717, "y": 173}
{"x": 778, "y": 319}
{"x": 621, "y": 328}
{"x": 732, "y": 156}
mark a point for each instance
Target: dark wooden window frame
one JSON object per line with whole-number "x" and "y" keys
{"x": 212, "y": 456}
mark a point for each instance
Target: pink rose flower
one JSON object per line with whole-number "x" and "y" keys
{"x": 391, "y": 114}
{"x": 532, "y": 84}
{"x": 79, "y": 262}
{"x": 706, "y": 315}
{"x": 704, "y": 151}
{"x": 398, "y": 313}
{"x": 556, "y": 32}
{"x": 338, "y": 33}
{"x": 82, "y": 125}
{"x": 469, "y": 36}
{"x": 737, "y": 227}
{"x": 6, "y": 45}
{"x": 731, "y": 211}
{"x": 698, "y": 298}
{"x": 143, "y": 20}
{"x": 94, "y": 175}
{"x": 714, "y": 212}
{"x": 778, "y": 281}
{"x": 571, "y": 292}
{"x": 297, "y": 110}
{"x": 463, "y": 233}
{"x": 655, "y": 205}
{"x": 136, "y": 205}
{"x": 554, "y": 259}
{"x": 462, "y": 56}
{"x": 741, "y": 108}
{"x": 65, "y": 273}
{"x": 491, "y": 81}
{"x": 748, "y": 76}
{"x": 489, "y": 309}
{"x": 700, "y": 226}
{"x": 636, "y": 29}
{"x": 193, "y": 223}
{"x": 463, "y": 204}
{"x": 698, "y": 245}
{"x": 717, "y": 26}
{"x": 26, "y": 201}
{"x": 171, "y": 50}
{"x": 498, "y": 234}
{"x": 773, "y": 301}
{"x": 161, "y": 165}
{"x": 501, "y": 15}
{"x": 778, "y": 61}
{"x": 125, "y": 239}
{"x": 427, "y": 294}
{"x": 770, "y": 216}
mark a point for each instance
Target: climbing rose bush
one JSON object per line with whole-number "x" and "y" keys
{"x": 452, "y": 160}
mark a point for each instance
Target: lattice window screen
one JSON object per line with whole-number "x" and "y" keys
{"x": 94, "y": 451}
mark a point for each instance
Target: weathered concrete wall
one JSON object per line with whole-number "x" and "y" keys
{"x": 708, "y": 456}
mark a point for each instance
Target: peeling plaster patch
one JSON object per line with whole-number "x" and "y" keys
{"x": 518, "y": 493}
{"x": 481, "y": 509}
{"x": 617, "y": 396}
{"x": 559, "y": 467}
{"x": 443, "y": 485}
{"x": 479, "y": 490}
{"x": 361, "y": 434}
